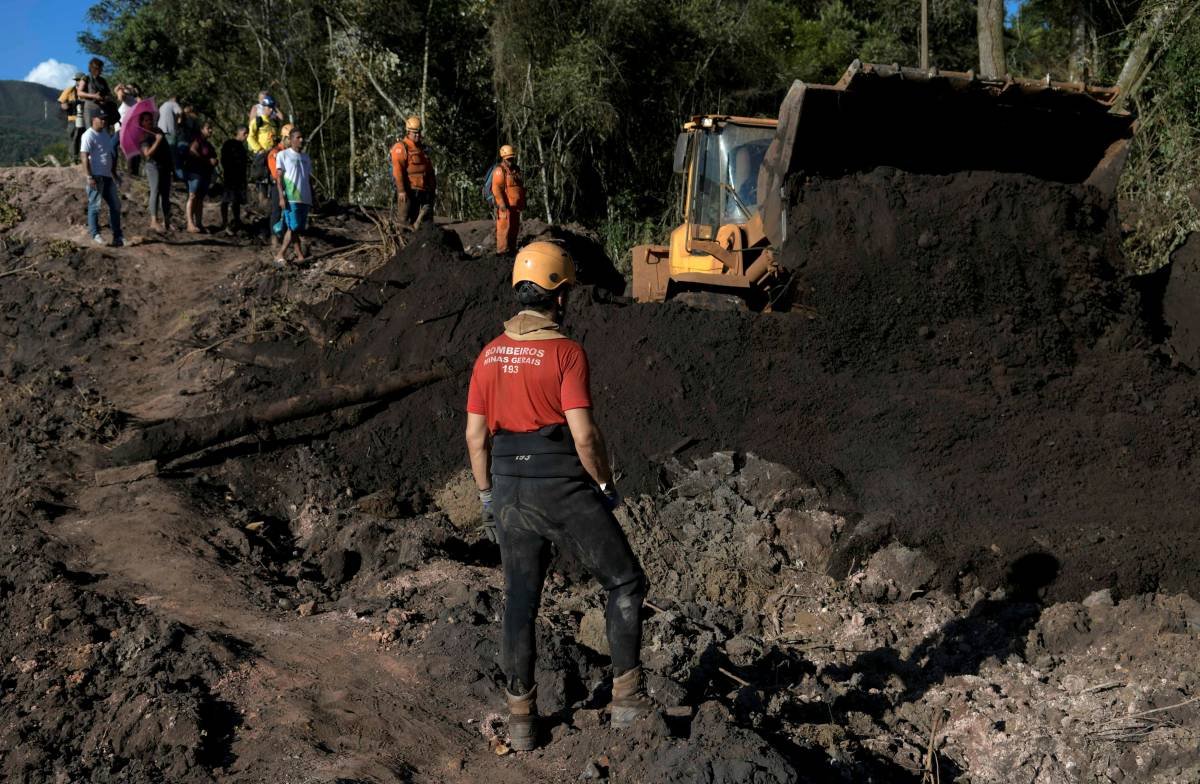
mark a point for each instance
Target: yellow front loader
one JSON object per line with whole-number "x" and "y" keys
{"x": 735, "y": 169}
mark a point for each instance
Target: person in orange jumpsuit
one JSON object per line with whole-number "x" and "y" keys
{"x": 412, "y": 170}
{"x": 508, "y": 191}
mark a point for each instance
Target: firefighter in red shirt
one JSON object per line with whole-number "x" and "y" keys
{"x": 529, "y": 419}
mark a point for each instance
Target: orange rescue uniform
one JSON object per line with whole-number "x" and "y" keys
{"x": 271, "y": 159}
{"x": 413, "y": 173}
{"x": 508, "y": 190}
{"x": 411, "y": 167}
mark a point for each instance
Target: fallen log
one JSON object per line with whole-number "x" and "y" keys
{"x": 173, "y": 438}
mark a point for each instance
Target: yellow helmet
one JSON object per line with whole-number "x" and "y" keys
{"x": 507, "y": 151}
{"x": 412, "y": 123}
{"x": 543, "y": 263}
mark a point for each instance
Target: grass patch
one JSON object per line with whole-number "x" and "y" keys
{"x": 10, "y": 214}
{"x": 58, "y": 249}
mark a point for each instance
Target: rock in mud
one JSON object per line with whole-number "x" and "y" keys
{"x": 592, "y": 631}
{"x": 458, "y": 499}
{"x": 896, "y": 572}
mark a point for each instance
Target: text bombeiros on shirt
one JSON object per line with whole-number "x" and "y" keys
{"x": 513, "y": 355}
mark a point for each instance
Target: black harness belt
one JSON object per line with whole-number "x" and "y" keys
{"x": 541, "y": 454}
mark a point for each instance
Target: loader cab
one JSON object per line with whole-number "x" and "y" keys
{"x": 719, "y": 158}
{"x": 719, "y": 243}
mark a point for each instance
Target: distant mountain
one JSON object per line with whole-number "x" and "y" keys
{"x": 30, "y": 120}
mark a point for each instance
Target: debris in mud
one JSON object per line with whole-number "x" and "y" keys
{"x": 798, "y": 674}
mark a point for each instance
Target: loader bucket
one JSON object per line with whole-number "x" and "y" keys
{"x": 933, "y": 122}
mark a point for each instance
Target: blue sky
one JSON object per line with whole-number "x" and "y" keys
{"x": 36, "y": 31}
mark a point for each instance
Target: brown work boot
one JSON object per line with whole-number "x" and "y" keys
{"x": 629, "y": 701}
{"x": 522, "y": 720}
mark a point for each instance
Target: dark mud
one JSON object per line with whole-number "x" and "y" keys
{"x": 1175, "y": 290}
{"x": 344, "y": 546}
{"x": 962, "y": 359}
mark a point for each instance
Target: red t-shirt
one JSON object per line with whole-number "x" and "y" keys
{"x": 524, "y": 385}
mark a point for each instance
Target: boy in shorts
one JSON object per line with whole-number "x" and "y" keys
{"x": 293, "y": 179}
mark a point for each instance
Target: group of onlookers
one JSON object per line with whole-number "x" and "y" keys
{"x": 283, "y": 173}
{"x": 176, "y": 144}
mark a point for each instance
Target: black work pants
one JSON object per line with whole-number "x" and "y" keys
{"x": 159, "y": 180}
{"x": 75, "y": 136}
{"x": 416, "y": 200}
{"x": 532, "y": 513}
{"x": 276, "y": 211}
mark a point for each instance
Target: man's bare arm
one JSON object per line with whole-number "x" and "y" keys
{"x": 479, "y": 446}
{"x": 589, "y": 443}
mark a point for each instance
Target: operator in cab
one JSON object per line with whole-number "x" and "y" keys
{"x": 542, "y": 470}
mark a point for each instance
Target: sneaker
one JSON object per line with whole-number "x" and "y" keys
{"x": 98, "y": 240}
{"x": 118, "y": 243}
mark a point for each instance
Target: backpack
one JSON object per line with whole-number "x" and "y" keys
{"x": 486, "y": 190}
{"x": 387, "y": 158}
{"x": 258, "y": 168}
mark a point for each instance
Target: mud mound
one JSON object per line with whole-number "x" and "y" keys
{"x": 1178, "y": 298}
{"x": 314, "y": 604}
{"x": 962, "y": 361}
{"x": 479, "y": 239}
{"x": 1012, "y": 267}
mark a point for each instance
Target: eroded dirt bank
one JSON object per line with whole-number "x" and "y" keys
{"x": 313, "y": 605}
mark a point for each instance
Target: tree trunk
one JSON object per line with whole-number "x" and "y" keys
{"x": 425, "y": 64}
{"x": 1137, "y": 64}
{"x": 350, "y": 104}
{"x": 1080, "y": 67}
{"x": 176, "y": 437}
{"x": 991, "y": 39}
{"x": 537, "y": 138}
{"x": 924, "y": 43}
